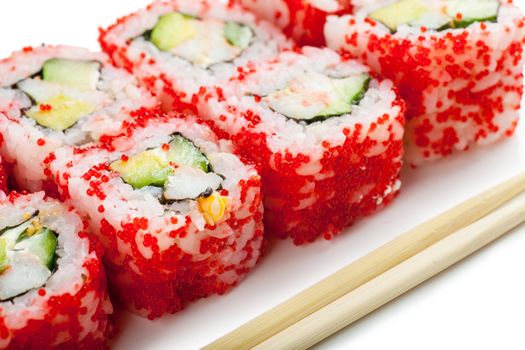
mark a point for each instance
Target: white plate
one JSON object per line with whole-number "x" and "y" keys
{"x": 286, "y": 270}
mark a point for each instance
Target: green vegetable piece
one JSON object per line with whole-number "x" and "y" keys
{"x": 237, "y": 34}
{"x": 78, "y": 74}
{"x": 60, "y": 113}
{"x": 467, "y": 12}
{"x": 399, "y": 13}
{"x": 3, "y": 254}
{"x": 148, "y": 168}
{"x": 184, "y": 152}
{"x": 41, "y": 244}
{"x": 153, "y": 167}
{"x": 171, "y": 30}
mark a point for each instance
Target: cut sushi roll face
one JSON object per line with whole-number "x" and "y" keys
{"x": 52, "y": 284}
{"x": 175, "y": 172}
{"x": 203, "y": 42}
{"x": 437, "y": 15}
{"x": 313, "y": 96}
{"x": 188, "y": 212}
{"x": 310, "y": 119}
{"x": 64, "y": 92}
{"x": 27, "y": 257}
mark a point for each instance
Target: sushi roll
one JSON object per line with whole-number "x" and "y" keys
{"x": 302, "y": 20}
{"x": 3, "y": 177}
{"x": 52, "y": 285}
{"x": 326, "y": 134}
{"x": 179, "y": 215}
{"x": 177, "y": 46}
{"x": 457, "y": 63}
{"x": 56, "y": 96}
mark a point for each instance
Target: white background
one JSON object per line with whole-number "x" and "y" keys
{"x": 479, "y": 304}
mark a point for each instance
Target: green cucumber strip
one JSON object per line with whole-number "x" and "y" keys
{"x": 78, "y": 74}
{"x": 43, "y": 245}
{"x": 472, "y": 11}
{"x": 237, "y": 34}
{"x": 184, "y": 152}
{"x": 3, "y": 254}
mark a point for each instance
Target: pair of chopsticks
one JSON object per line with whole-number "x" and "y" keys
{"x": 381, "y": 276}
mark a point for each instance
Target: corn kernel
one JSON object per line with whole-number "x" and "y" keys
{"x": 213, "y": 208}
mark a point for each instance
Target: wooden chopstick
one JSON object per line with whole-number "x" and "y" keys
{"x": 367, "y": 268}
{"x": 398, "y": 280}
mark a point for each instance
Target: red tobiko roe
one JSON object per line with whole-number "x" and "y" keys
{"x": 461, "y": 86}
{"x": 311, "y": 21}
{"x": 3, "y": 179}
{"x": 305, "y": 20}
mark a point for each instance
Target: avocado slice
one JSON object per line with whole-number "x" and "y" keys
{"x": 153, "y": 167}
{"x": 148, "y": 168}
{"x": 60, "y": 112}
{"x": 42, "y": 244}
{"x": 83, "y": 75}
{"x": 238, "y": 34}
{"x": 171, "y": 30}
{"x": 399, "y": 13}
{"x": 472, "y": 11}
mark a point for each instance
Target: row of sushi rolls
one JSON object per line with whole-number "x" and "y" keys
{"x": 158, "y": 168}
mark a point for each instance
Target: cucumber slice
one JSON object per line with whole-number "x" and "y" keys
{"x": 43, "y": 245}
{"x": 3, "y": 254}
{"x": 77, "y": 74}
{"x": 399, "y": 13}
{"x": 237, "y": 34}
{"x": 27, "y": 259}
{"x": 171, "y": 30}
{"x": 472, "y": 11}
{"x": 60, "y": 112}
{"x": 350, "y": 91}
{"x": 184, "y": 152}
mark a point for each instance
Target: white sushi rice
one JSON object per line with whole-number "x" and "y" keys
{"x": 72, "y": 252}
{"x": 21, "y": 133}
